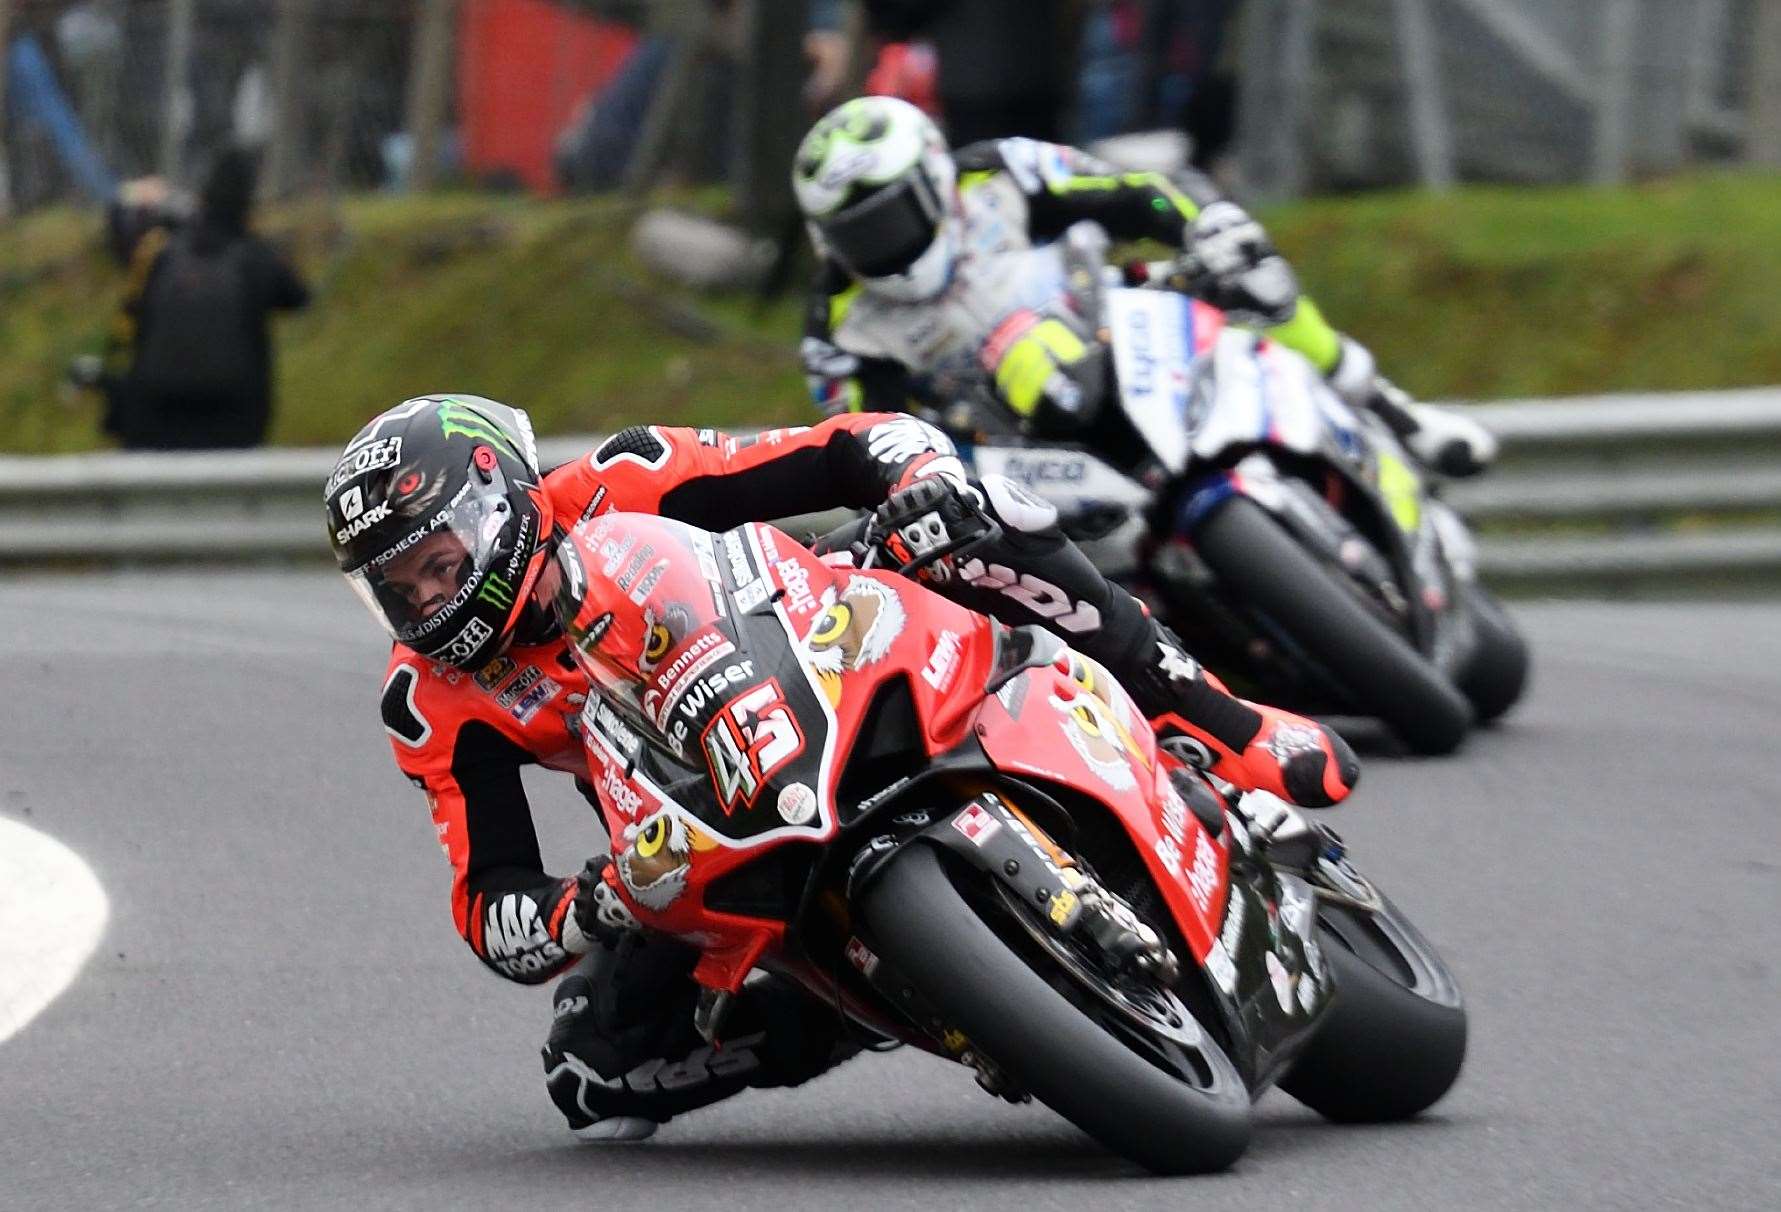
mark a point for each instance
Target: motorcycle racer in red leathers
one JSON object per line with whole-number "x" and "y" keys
{"x": 443, "y": 523}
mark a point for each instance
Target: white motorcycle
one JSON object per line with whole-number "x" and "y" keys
{"x": 1291, "y": 540}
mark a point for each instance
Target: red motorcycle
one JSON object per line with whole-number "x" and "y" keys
{"x": 965, "y": 838}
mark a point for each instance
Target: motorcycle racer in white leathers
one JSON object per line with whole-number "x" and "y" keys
{"x": 939, "y": 265}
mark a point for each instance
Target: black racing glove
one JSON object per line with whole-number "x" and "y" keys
{"x": 919, "y": 530}
{"x": 598, "y": 911}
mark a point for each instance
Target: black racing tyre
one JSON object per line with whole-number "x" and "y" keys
{"x": 1041, "y": 1038}
{"x": 1395, "y": 1039}
{"x": 1265, "y": 568}
{"x": 1495, "y": 676}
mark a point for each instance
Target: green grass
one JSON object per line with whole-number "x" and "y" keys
{"x": 1486, "y": 292}
{"x": 1499, "y": 292}
{"x": 537, "y": 303}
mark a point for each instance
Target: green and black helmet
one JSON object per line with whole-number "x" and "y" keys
{"x": 438, "y": 520}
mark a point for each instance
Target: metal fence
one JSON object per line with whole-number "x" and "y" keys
{"x": 102, "y": 91}
{"x": 1625, "y": 494}
{"x": 352, "y": 94}
{"x": 1341, "y": 93}
{"x": 342, "y": 95}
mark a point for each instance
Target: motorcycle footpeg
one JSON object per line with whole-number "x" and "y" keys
{"x": 1280, "y": 830}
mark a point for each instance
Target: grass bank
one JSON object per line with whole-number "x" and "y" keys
{"x": 1667, "y": 286}
{"x": 1482, "y": 293}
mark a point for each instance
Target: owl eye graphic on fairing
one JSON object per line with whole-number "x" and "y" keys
{"x": 657, "y": 858}
{"x": 662, "y": 629}
{"x": 1097, "y": 724}
{"x": 852, "y": 631}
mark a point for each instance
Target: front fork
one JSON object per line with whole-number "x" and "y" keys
{"x": 990, "y": 834}
{"x": 997, "y": 838}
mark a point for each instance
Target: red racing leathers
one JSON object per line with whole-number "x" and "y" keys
{"x": 464, "y": 737}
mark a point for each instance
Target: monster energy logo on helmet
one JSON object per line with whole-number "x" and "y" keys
{"x": 497, "y": 592}
{"x": 457, "y": 417}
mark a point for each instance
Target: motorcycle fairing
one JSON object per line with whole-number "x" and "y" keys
{"x": 812, "y": 644}
{"x": 774, "y": 723}
{"x": 1245, "y": 394}
{"x": 1098, "y": 506}
{"x": 1196, "y": 389}
{"x": 1411, "y": 535}
{"x": 1046, "y": 724}
{"x": 1154, "y": 348}
{"x": 1067, "y": 477}
{"x": 665, "y": 853}
{"x": 1266, "y": 976}
{"x": 852, "y": 630}
{"x": 1251, "y": 393}
{"x": 1269, "y": 975}
{"x": 1247, "y": 399}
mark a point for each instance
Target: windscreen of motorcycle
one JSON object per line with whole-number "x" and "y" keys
{"x": 1153, "y": 352}
{"x": 684, "y": 643}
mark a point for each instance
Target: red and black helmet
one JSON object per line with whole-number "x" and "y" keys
{"x": 438, "y": 520}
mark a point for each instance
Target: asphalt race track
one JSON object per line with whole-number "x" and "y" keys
{"x": 280, "y": 1014}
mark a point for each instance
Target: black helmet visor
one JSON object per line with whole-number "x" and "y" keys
{"x": 884, "y": 234}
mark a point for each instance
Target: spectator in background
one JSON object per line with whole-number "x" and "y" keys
{"x": 1157, "y": 65}
{"x": 1005, "y": 65}
{"x": 190, "y": 362}
{"x": 1196, "y": 86}
{"x": 139, "y": 207}
{"x": 1112, "y": 93}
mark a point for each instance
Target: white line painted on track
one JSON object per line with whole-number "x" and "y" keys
{"x": 52, "y": 914}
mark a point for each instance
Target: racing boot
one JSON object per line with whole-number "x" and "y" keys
{"x": 1441, "y": 438}
{"x": 595, "y": 1112}
{"x": 1251, "y": 745}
